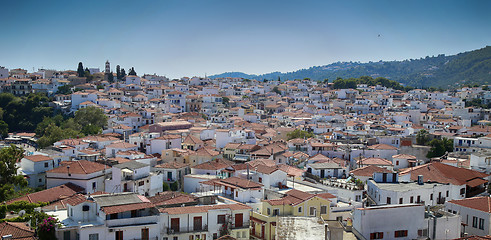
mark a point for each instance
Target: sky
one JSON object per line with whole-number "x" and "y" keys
{"x": 205, "y": 37}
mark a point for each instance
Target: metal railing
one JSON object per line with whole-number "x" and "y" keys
{"x": 187, "y": 229}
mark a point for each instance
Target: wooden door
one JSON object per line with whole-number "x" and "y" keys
{"x": 239, "y": 219}
{"x": 174, "y": 224}
{"x": 119, "y": 235}
{"x": 145, "y": 234}
{"x": 197, "y": 223}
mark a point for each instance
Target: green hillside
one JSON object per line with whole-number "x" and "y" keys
{"x": 472, "y": 67}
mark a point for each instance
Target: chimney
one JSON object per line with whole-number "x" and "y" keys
{"x": 420, "y": 179}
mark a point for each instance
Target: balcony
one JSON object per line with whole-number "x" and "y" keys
{"x": 132, "y": 221}
{"x": 188, "y": 229}
{"x": 245, "y": 225}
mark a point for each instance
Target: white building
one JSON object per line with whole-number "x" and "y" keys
{"x": 475, "y": 213}
{"x": 403, "y": 221}
{"x": 108, "y": 216}
{"x": 387, "y": 190}
{"x": 134, "y": 177}
{"x": 34, "y": 167}
{"x": 86, "y": 174}
{"x": 205, "y": 222}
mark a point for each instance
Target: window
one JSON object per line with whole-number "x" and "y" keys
{"x": 85, "y": 208}
{"x": 276, "y": 212}
{"x": 94, "y": 185}
{"x": 312, "y": 211}
{"x": 221, "y": 219}
{"x": 141, "y": 183}
{"x": 400, "y": 233}
{"x": 400, "y": 200}
{"x": 377, "y": 235}
{"x": 474, "y": 222}
{"x": 299, "y": 209}
{"x": 260, "y": 180}
{"x": 431, "y": 196}
{"x": 215, "y": 235}
{"x": 175, "y": 238}
{"x": 40, "y": 180}
{"x": 94, "y": 236}
{"x": 323, "y": 209}
{"x": 418, "y": 199}
{"x": 447, "y": 193}
{"x": 462, "y": 191}
{"x": 481, "y": 223}
{"x": 269, "y": 211}
{"x": 388, "y": 200}
{"x": 46, "y": 164}
{"x": 411, "y": 199}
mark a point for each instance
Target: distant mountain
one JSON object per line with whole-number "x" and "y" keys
{"x": 472, "y": 67}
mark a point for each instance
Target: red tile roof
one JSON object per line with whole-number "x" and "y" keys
{"x": 78, "y": 167}
{"x": 171, "y": 198}
{"x": 51, "y": 195}
{"x": 368, "y": 171}
{"x": 18, "y": 230}
{"x": 443, "y": 173}
{"x": 38, "y": 158}
{"x": 477, "y": 203}
{"x": 126, "y": 207}
{"x": 214, "y": 164}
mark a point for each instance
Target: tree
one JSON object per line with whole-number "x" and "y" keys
{"x": 422, "y": 137}
{"x": 174, "y": 186}
{"x": 9, "y": 180}
{"x": 123, "y": 73}
{"x": 276, "y": 90}
{"x": 91, "y": 116}
{"x": 297, "y": 133}
{"x": 80, "y": 70}
{"x": 4, "y": 129}
{"x": 439, "y": 147}
{"x": 65, "y": 89}
{"x": 165, "y": 187}
{"x": 110, "y": 77}
{"x": 118, "y": 72}
{"x": 225, "y": 100}
{"x": 132, "y": 71}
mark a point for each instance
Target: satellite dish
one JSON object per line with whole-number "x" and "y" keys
{"x": 22, "y": 213}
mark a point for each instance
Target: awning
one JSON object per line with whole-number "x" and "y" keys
{"x": 476, "y": 182}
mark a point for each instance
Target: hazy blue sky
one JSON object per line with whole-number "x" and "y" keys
{"x": 187, "y": 38}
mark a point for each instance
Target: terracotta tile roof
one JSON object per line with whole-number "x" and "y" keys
{"x": 382, "y": 147}
{"x": 443, "y": 173}
{"x": 51, "y": 195}
{"x": 198, "y": 209}
{"x": 127, "y": 207}
{"x": 122, "y": 145}
{"x": 265, "y": 169}
{"x": 404, "y": 156}
{"x": 18, "y": 230}
{"x": 78, "y": 167}
{"x": 290, "y": 170}
{"x": 190, "y": 139}
{"x": 76, "y": 199}
{"x": 374, "y": 161}
{"x": 234, "y": 182}
{"x": 477, "y": 203}
{"x": 38, "y": 158}
{"x": 204, "y": 151}
{"x": 214, "y": 164}
{"x": 261, "y": 161}
{"x": 172, "y": 165}
{"x": 171, "y": 198}
{"x": 368, "y": 171}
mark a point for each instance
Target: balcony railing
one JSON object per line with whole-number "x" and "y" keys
{"x": 243, "y": 226}
{"x": 187, "y": 229}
